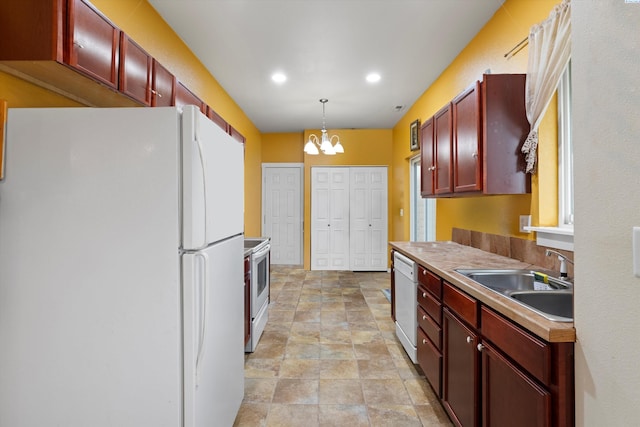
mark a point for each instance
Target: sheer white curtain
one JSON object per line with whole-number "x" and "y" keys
{"x": 549, "y": 53}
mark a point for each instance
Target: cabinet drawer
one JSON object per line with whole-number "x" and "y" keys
{"x": 430, "y": 327}
{"x": 430, "y": 281}
{"x": 429, "y": 304}
{"x": 430, "y": 360}
{"x": 522, "y": 347}
{"x": 465, "y": 307}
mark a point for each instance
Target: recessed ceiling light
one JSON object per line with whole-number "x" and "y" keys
{"x": 373, "y": 77}
{"x": 279, "y": 78}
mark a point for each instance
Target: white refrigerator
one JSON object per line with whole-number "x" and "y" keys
{"x": 121, "y": 269}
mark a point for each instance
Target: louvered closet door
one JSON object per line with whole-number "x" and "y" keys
{"x": 368, "y": 219}
{"x": 329, "y": 218}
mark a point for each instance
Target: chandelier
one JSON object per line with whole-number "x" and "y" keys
{"x": 324, "y": 142}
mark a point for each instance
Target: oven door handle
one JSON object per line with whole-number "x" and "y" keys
{"x": 262, "y": 252}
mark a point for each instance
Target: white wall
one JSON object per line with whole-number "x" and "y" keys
{"x": 606, "y": 73}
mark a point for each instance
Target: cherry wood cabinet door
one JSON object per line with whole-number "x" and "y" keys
{"x": 163, "y": 85}
{"x": 427, "y": 160}
{"x": 430, "y": 361}
{"x": 510, "y": 397}
{"x": 185, "y": 97}
{"x": 135, "y": 70}
{"x": 467, "y": 140}
{"x": 460, "y": 372}
{"x": 93, "y": 43}
{"x": 443, "y": 179}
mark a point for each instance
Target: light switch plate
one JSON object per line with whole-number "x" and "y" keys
{"x": 525, "y": 221}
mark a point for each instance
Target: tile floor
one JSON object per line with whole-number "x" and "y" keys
{"x": 329, "y": 357}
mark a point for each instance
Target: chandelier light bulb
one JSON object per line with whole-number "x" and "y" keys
{"x": 325, "y": 141}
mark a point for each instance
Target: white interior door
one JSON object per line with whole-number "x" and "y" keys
{"x": 282, "y": 211}
{"x": 330, "y": 218}
{"x": 368, "y": 219}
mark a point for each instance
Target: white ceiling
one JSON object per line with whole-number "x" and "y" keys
{"x": 326, "y": 48}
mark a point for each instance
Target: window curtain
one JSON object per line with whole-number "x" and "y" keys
{"x": 549, "y": 53}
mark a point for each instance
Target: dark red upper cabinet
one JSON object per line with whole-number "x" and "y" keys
{"x": 185, "y": 97}
{"x": 427, "y": 160}
{"x": 467, "y": 141}
{"x": 135, "y": 70}
{"x": 93, "y": 43}
{"x": 443, "y": 178}
{"x": 163, "y": 86}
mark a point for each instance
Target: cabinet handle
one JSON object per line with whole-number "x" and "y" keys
{"x": 431, "y": 168}
{"x": 480, "y": 347}
{"x": 424, "y": 295}
{"x": 469, "y": 340}
{"x": 475, "y": 155}
{"x": 80, "y": 45}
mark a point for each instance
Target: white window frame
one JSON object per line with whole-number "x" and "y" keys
{"x": 565, "y": 152}
{"x": 429, "y": 205}
{"x": 561, "y": 236}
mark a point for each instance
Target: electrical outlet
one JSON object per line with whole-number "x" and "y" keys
{"x": 525, "y": 221}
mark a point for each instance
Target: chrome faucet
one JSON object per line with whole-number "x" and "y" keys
{"x": 563, "y": 262}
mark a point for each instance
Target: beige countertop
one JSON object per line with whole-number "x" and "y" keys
{"x": 442, "y": 258}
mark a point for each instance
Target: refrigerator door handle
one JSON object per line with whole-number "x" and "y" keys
{"x": 204, "y": 285}
{"x": 204, "y": 183}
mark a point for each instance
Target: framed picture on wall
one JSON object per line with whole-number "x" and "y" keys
{"x": 414, "y": 144}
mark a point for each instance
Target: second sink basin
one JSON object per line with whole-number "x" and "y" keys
{"x": 556, "y": 305}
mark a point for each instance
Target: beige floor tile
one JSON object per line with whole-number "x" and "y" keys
{"x": 387, "y": 415}
{"x": 262, "y": 368}
{"x": 296, "y": 350}
{"x": 293, "y": 416}
{"x": 336, "y": 351}
{"x": 372, "y": 351}
{"x": 432, "y": 415}
{"x": 300, "y": 368}
{"x": 259, "y": 390}
{"x": 296, "y": 391}
{"x": 380, "y": 368}
{"x": 252, "y": 414}
{"x": 340, "y": 392}
{"x": 307, "y": 316}
{"x": 335, "y": 336}
{"x": 382, "y": 392}
{"x": 339, "y": 369}
{"x": 343, "y": 415}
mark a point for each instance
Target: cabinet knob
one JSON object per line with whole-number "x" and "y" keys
{"x": 469, "y": 340}
{"x": 80, "y": 45}
{"x": 424, "y": 295}
{"x": 424, "y": 317}
{"x": 475, "y": 155}
{"x": 480, "y": 347}
{"x": 431, "y": 168}
{"x": 424, "y": 272}
{"x": 424, "y": 341}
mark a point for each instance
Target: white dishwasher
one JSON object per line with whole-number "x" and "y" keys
{"x": 405, "y": 303}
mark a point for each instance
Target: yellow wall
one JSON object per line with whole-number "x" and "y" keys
{"x": 282, "y": 148}
{"x": 494, "y": 214}
{"x": 141, "y": 22}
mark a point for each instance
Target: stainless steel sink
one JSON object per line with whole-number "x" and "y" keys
{"x": 554, "y": 305}
{"x": 505, "y": 281}
{"x": 553, "y": 300}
